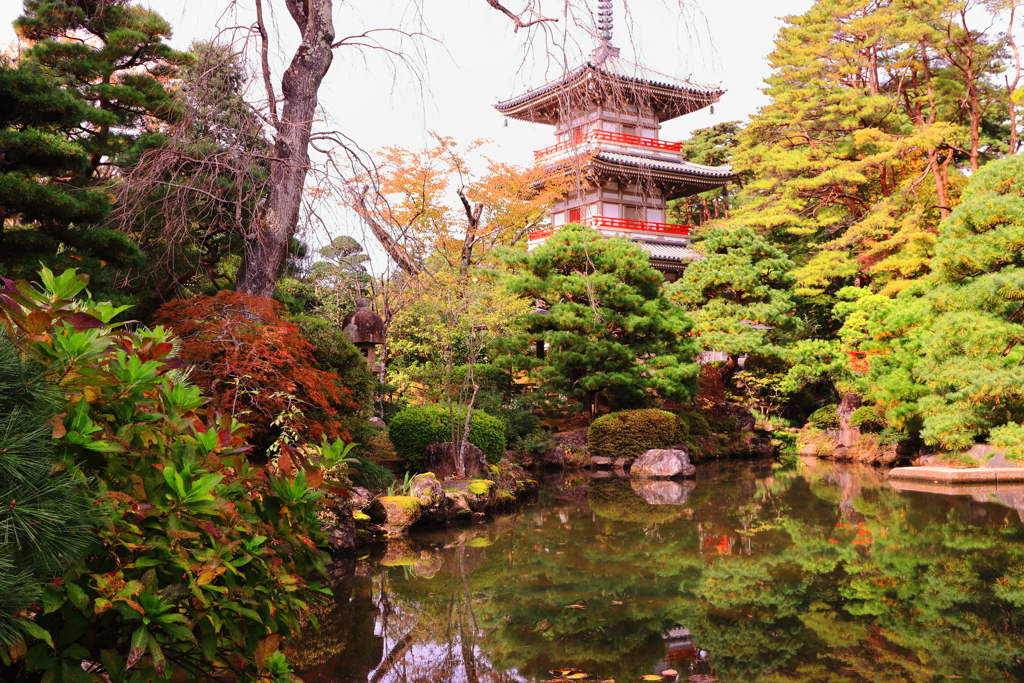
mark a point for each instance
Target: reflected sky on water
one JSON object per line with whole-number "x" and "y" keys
{"x": 752, "y": 573}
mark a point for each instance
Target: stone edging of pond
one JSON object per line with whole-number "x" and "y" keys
{"x": 959, "y": 475}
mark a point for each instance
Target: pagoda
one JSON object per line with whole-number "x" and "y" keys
{"x": 607, "y": 114}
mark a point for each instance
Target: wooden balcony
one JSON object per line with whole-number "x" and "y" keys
{"x": 608, "y": 136}
{"x": 620, "y": 224}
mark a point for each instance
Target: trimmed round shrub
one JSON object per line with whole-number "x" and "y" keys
{"x": 826, "y": 417}
{"x": 631, "y": 433}
{"x": 413, "y": 428}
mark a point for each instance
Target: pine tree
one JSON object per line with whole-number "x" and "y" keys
{"x": 41, "y": 190}
{"x": 46, "y": 521}
{"x": 946, "y": 355}
{"x": 113, "y": 56}
{"x": 609, "y": 331}
{"x": 711, "y": 146}
{"x": 739, "y": 294}
{"x": 854, "y": 160}
{"x": 89, "y": 90}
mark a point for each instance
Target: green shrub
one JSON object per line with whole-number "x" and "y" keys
{"x": 826, "y": 417}
{"x": 867, "y": 418}
{"x": 629, "y": 433}
{"x": 520, "y": 422}
{"x": 413, "y": 428}
{"x": 694, "y": 424}
{"x": 372, "y": 476}
{"x": 335, "y": 353}
{"x": 202, "y": 561}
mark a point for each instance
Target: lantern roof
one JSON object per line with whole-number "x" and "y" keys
{"x": 362, "y": 325}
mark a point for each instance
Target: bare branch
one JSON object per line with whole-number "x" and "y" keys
{"x": 516, "y": 20}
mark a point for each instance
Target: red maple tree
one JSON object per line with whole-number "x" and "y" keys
{"x": 258, "y": 366}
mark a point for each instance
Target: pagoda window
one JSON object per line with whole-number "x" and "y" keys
{"x": 574, "y": 215}
{"x": 610, "y": 210}
{"x": 608, "y": 126}
{"x": 628, "y": 129}
{"x": 632, "y": 213}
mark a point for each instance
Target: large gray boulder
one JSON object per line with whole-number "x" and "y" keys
{"x": 663, "y": 463}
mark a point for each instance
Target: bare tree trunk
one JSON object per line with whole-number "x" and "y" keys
{"x": 267, "y": 248}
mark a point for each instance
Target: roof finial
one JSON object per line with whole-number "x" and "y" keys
{"x": 604, "y": 20}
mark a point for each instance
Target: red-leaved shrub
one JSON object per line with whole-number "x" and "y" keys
{"x": 258, "y": 366}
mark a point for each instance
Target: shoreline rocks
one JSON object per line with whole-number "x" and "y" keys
{"x": 434, "y": 502}
{"x": 663, "y": 463}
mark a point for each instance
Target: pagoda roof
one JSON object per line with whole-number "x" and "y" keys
{"x": 661, "y": 251}
{"x": 668, "y": 97}
{"x": 681, "y": 178}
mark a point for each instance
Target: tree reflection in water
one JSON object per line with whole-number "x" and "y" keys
{"x": 822, "y": 573}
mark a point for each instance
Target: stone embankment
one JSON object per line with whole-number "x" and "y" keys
{"x": 431, "y": 501}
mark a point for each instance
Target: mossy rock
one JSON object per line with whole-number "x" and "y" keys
{"x": 480, "y": 487}
{"x": 404, "y": 502}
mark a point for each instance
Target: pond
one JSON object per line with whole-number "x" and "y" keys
{"x": 815, "y": 573}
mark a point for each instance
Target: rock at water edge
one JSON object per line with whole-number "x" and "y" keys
{"x": 440, "y": 458}
{"x": 662, "y": 463}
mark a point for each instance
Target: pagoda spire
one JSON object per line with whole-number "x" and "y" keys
{"x": 604, "y": 21}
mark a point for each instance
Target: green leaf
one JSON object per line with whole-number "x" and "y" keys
{"x": 35, "y": 630}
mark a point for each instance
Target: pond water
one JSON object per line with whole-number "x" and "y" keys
{"x": 813, "y": 573}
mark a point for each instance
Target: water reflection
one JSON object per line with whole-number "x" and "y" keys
{"x": 821, "y": 573}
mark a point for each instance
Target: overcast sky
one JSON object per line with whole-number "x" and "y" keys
{"x": 472, "y": 58}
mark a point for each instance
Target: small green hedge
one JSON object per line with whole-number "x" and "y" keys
{"x": 826, "y": 417}
{"x": 415, "y": 427}
{"x": 630, "y": 433}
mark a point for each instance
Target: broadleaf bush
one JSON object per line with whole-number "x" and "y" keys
{"x": 204, "y": 560}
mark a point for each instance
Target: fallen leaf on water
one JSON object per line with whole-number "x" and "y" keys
{"x": 575, "y": 607}
{"x": 616, "y": 602}
{"x": 562, "y": 672}
{"x": 578, "y": 676}
{"x": 651, "y": 677}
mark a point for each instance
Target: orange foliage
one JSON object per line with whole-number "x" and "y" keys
{"x": 257, "y": 366}
{"x": 428, "y": 200}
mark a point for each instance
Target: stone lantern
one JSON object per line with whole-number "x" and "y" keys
{"x": 365, "y": 329}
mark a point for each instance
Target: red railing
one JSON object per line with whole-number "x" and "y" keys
{"x": 621, "y": 224}
{"x": 608, "y": 136}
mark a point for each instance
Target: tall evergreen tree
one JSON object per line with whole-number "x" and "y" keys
{"x": 610, "y": 332}
{"x": 855, "y": 158}
{"x": 42, "y": 194}
{"x": 739, "y": 294}
{"x": 91, "y": 88}
{"x": 946, "y": 355}
{"x": 711, "y": 146}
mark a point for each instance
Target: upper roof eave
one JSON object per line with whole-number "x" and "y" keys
{"x": 529, "y": 106}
